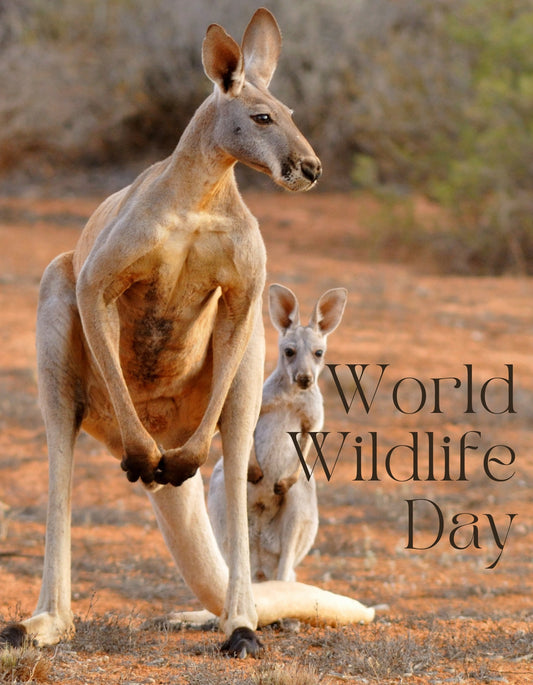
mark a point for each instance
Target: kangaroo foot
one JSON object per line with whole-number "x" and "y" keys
{"x": 40, "y": 630}
{"x": 241, "y": 643}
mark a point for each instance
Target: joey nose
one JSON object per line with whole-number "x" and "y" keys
{"x": 311, "y": 168}
{"x": 304, "y": 380}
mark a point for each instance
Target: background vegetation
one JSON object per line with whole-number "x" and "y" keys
{"x": 402, "y": 97}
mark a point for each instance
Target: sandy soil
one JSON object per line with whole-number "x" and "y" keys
{"x": 446, "y": 616}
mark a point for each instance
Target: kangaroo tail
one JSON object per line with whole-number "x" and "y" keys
{"x": 276, "y": 599}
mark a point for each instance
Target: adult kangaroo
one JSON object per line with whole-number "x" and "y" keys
{"x": 149, "y": 337}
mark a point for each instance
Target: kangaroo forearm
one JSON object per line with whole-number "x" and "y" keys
{"x": 228, "y": 352}
{"x": 102, "y": 333}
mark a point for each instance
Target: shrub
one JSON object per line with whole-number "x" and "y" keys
{"x": 23, "y": 665}
{"x": 454, "y": 120}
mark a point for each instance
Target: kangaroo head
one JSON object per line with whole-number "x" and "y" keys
{"x": 302, "y": 348}
{"x": 252, "y": 126}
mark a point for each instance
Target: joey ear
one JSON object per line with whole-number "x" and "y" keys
{"x": 328, "y": 311}
{"x": 283, "y": 307}
{"x": 261, "y": 47}
{"x": 223, "y": 61}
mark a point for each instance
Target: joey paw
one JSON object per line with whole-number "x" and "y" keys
{"x": 280, "y": 487}
{"x": 255, "y": 474}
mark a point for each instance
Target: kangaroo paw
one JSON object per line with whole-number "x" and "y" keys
{"x": 241, "y": 643}
{"x": 176, "y": 466}
{"x": 141, "y": 465}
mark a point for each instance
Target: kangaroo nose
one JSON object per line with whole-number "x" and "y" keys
{"x": 311, "y": 168}
{"x": 304, "y": 380}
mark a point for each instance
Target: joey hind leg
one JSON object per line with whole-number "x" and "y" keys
{"x": 299, "y": 527}
{"x": 59, "y": 359}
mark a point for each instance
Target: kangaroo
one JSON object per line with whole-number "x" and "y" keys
{"x": 150, "y": 338}
{"x": 282, "y": 503}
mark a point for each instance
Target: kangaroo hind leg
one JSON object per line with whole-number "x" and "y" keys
{"x": 60, "y": 365}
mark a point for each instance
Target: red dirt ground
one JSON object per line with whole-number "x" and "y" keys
{"x": 445, "y": 617}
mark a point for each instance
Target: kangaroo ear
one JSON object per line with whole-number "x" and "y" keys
{"x": 283, "y": 306}
{"x": 328, "y": 311}
{"x": 261, "y": 47}
{"x": 223, "y": 61}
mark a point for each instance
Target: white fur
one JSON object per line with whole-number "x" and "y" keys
{"x": 282, "y": 504}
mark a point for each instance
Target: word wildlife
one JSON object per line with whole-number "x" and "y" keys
{"x": 423, "y": 456}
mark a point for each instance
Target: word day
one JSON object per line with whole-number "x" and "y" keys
{"x": 465, "y": 531}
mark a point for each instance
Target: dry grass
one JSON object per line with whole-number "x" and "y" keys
{"x": 386, "y": 652}
{"x": 24, "y": 665}
{"x": 292, "y": 674}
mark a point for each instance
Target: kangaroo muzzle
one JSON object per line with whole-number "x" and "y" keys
{"x": 300, "y": 174}
{"x": 311, "y": 168}
{"x": 304, "y": 380}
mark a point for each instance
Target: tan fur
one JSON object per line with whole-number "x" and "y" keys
{"x": 149, "y": 333}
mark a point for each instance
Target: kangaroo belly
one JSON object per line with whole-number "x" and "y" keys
{"x": 170, "y": 419}
{"x": 165, "y": 341}
{"x": 168, "y": 374}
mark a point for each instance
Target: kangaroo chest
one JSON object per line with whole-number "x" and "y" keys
{"x": 167, "y": 314}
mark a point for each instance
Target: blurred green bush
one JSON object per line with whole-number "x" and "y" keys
{"x": 454, "y": 120}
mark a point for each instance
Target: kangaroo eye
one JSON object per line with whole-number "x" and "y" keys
{"x": 289, "y": 352}
{"x": 319, "y": 353}
{"x": 262, "y": 119}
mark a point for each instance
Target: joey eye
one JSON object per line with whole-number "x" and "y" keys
{"x": 262, "y": 119}
{"x": 319, "y": 353}
{"x": 289, "y": 352}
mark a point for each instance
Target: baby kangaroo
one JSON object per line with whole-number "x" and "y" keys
{"x": 282, "y": 503}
